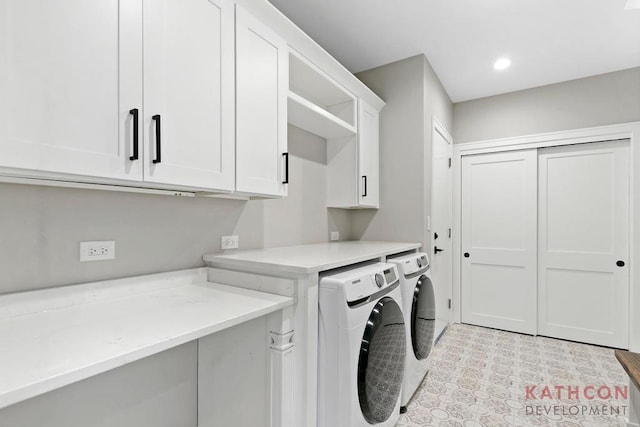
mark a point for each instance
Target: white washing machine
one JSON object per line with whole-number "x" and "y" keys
{"x": 361, "y": 347}
{"x": 419, "y": 304}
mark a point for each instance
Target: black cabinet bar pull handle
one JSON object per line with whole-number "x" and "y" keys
{"x": 286, "y": 168}
{"x": 134, "y": 113}
{"x": 364, "y": 179}
{"x": 158, "y": 158}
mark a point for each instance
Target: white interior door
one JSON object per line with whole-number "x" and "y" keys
{"x": 70, "y": 71}
{"x": 441, "y": 220}
{"x": 584, "y": 235}
{"x": 189, "y": 93}
{"x": 499, "y": 207}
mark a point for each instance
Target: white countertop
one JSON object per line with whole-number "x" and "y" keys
{"x": 305, "y": 259}
{"x": 54, "y": 337}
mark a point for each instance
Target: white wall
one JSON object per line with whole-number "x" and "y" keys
{"x": 592, "y": 101}
{"x": 413, "y": 94}
{"x": 41, "y": 227}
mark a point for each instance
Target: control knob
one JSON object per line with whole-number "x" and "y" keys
{"x": 379, "y": 280}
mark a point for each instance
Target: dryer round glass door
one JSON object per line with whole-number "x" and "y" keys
{"x": 381, "y": 361}
{"x": 423, "y": 317}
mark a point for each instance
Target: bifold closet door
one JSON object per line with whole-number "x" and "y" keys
{"x": 499, "y": 246}
{"x": 584, "y": 243}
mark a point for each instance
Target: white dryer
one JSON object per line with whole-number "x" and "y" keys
{"x": 419, "y": 304}
{"x": 361, "y": 347}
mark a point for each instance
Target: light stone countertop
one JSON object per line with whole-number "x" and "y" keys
{"x": 306, "y": 259}
{"x": 54, "y": 337}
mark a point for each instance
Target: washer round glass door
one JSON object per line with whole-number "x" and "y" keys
{"x": 381, "y": 361}
{"x": 423, "y": 317}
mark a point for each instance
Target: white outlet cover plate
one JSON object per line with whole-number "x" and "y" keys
{"x": 335, "y": 235}
{"x": 229, "y": 242}
{"x": 97, "y": 250}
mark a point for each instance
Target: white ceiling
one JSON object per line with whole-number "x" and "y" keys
{"x": 548, "y": 41}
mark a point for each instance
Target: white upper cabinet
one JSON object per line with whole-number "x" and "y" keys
{"x": 368, "y": 155}
{"x": 353, "y": 164}
{"x": 262, "y": 160}
{"x": 188, "y": 93}
{"x": 69, "y": 75}
{"x": 321, "y": 105}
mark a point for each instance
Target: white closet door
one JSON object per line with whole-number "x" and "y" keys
{"x": 584, "y": 235}
{"x": 70, "y": 71}
{"x": 499, "y": 240}
{"x": 189, "y": 93}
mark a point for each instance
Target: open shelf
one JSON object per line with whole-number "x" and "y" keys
{"x": 308, "y": 116}
{"x": 317, "y": 103}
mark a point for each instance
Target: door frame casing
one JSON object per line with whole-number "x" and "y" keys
{"x": 629, "y": 131}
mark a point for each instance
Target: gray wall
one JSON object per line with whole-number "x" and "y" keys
{"x": 158, "y": 391}
{"x": 413, "y": 94}
{"x": 593, "y": 101}
{"x": 41, "y": 227}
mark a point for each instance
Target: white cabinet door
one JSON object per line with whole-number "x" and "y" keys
{"x": 188, "y": 93}
{"x": 584, "y": 243}
{"x": 499, "y": 225}
{"x": 368, "y": 149}
{"x": 262, "y": 70}
{"x": 69, "y": 74}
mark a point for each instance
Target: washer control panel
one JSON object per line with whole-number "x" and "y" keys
{"x": 412, "y": 264}
{"x": 362, "y": 282}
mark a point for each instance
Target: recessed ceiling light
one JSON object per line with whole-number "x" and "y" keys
{"x": 633, "y": 4}
{"x": 502, "y": 64}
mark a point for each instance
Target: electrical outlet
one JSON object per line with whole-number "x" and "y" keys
{"x": 97, "y": 251}
{"x": 335, "y": 235}
{"x": 229, "y": 242}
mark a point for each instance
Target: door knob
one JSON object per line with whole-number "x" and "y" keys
{"x": 435, "y": 236}
{"x": 466, "y": 254}
{"x": 437, "y": 249}
{"x": 620, "y": 263}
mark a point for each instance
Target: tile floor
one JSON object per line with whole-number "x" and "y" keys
{"x": 479, "y": 377}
